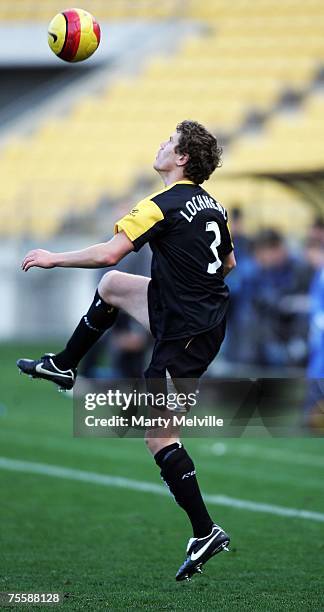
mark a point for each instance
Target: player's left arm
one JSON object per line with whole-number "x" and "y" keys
{"x": 96, "y": 256}
{"x": 229, "y": 263}
{"x": 228, "y": 259}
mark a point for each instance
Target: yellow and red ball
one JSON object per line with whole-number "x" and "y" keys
{"x": 73, "y": 35}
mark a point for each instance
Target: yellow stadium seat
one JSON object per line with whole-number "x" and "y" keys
{"x": 246, "y": 57}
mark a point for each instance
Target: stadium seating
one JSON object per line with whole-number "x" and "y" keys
{"x": 291, "y": 140}
{"x": 211, "y": 10}
{"x": 247, "y": 56}
{"x": 264, "y": 204}
{"x": 14, "y": 10}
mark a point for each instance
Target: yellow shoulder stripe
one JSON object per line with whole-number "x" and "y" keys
{"x": 140, "y": 219}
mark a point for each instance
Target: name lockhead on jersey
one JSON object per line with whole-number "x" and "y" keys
{"x": 188, "y": 234}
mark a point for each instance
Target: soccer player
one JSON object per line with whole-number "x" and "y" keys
{"x": 183, "y": 305}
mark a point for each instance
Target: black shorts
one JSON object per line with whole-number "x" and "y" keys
{"x": 186, "y": 357}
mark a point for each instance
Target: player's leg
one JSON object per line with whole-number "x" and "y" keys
{"x": 177, "y": 468}
{"x": 179, "y": 473}
{"x": 127, "y": 292}
{"x": 116, "y": 290}
{"x": 176, "y": 465}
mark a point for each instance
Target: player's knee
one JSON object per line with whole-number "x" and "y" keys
{"x": 152, "y": 444}
{"x": 155, "y": 444}
{"x": 108, "y": 285}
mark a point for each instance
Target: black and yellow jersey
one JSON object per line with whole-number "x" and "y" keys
{"x": 188, "y": 234}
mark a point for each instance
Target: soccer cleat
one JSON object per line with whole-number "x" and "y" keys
{"x": 46, "y": 369}
{"x": 200, "y": 550}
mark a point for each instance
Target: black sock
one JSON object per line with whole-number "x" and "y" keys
{"x": 178, "y": 471}
{"x": 98, "y": 319}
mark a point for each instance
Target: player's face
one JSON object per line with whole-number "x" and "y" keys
{"x": 167, "y": 159}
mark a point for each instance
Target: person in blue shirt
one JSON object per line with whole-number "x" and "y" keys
{"x": 314, "y": 406}
{"x": 279, "y": 321}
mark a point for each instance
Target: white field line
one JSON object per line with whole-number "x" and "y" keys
{"x": 273, "y": 454}
{"x": 57, "y": 471}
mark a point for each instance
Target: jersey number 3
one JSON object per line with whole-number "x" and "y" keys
{"x": 212, "y": 226}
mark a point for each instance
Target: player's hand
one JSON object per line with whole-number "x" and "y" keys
{"x": 38, "y": 258}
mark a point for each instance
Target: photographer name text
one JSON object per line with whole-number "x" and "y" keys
{"x": 175, "y": 420}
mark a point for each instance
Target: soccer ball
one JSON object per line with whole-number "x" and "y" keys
{"x": 73, "y": 35}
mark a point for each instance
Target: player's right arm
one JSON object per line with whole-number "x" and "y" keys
{"x": 139, "y": 226}
{"x": 96, "y": 256}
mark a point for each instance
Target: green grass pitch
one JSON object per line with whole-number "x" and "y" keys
{"x": 116, "y": 549}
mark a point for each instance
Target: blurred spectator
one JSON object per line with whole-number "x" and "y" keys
{"x": 316, "y": 336}
{"x": 315, "y": 371}
{"x": 280, "y": 285}
{"x": 237, "y": 347}
{"x": 242, "y": 241}
{"x": 316, "y": 230}
{"x": 314, "y": 250}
